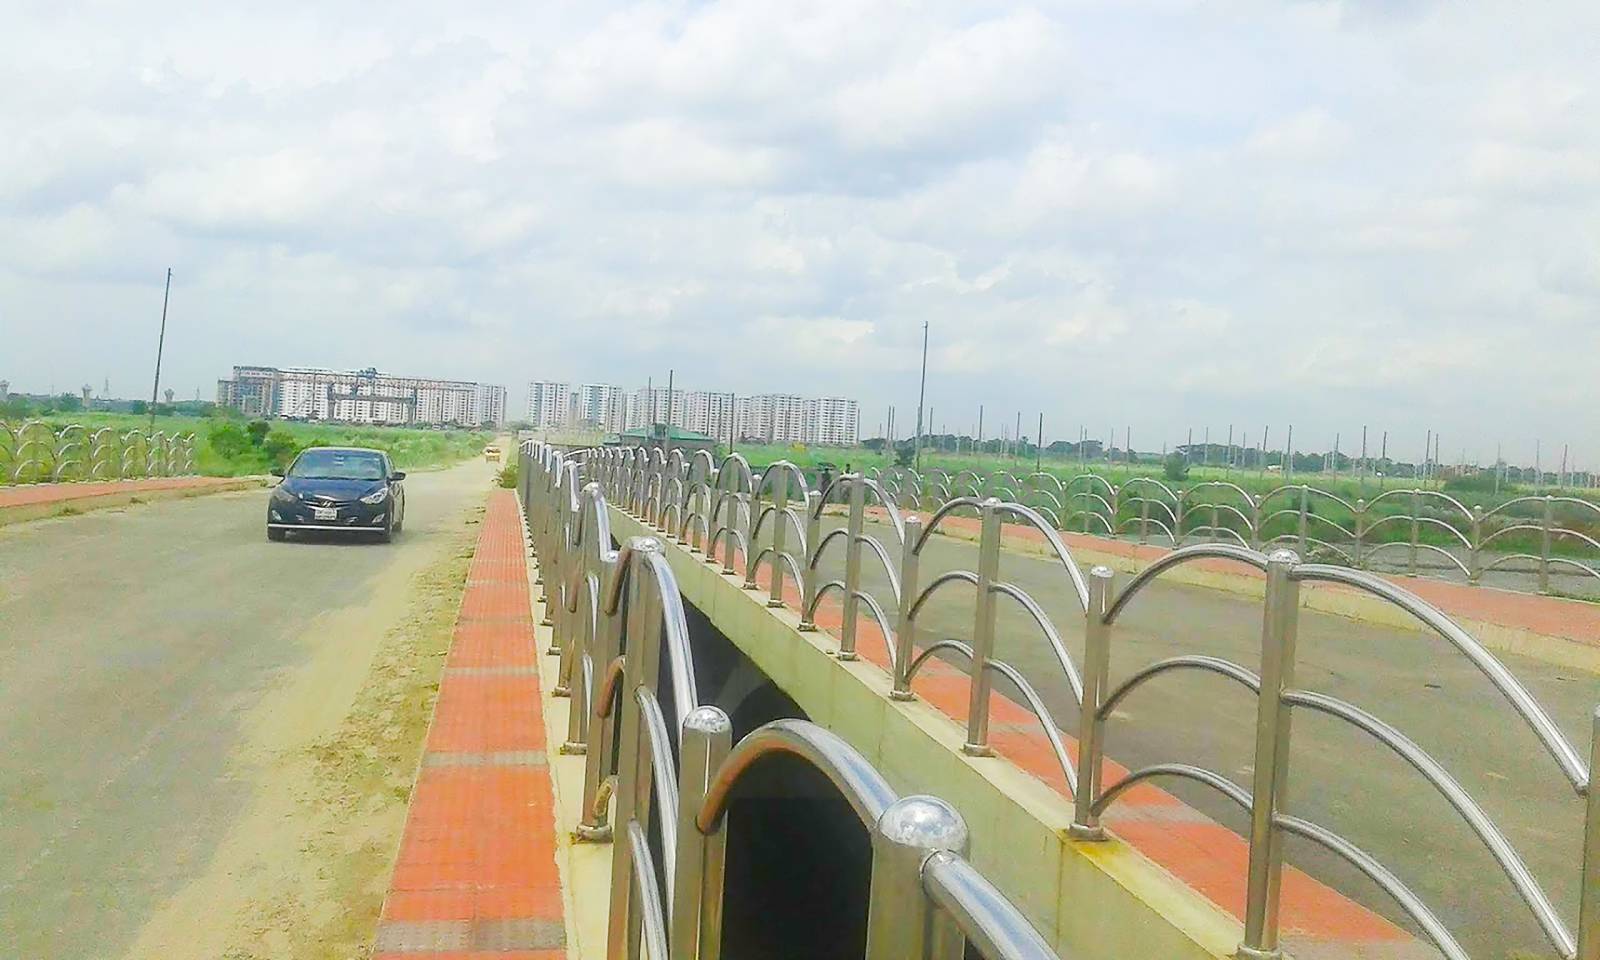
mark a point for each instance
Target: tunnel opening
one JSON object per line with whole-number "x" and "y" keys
{"x": 798, "y": 860}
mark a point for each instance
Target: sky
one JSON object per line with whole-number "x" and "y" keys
{"x": 1157, "y": 216}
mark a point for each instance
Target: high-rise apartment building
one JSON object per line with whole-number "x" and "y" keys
{"x": 764, "y": 418}
{"x": 549, "y": 404}
{"x": 832, "y": 422}
{"x": 601, "y": 405}
{"x": 360, "y": 396}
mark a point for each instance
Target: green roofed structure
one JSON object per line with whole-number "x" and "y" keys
{"x": 667, "y": 438}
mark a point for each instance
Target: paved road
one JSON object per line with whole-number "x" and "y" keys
{"x": 1340, "y": 778}
{"x": 133, "y": 644}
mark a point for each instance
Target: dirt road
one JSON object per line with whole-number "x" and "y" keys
{"x": 1340, "y": 778}
{"x": 209, "y": 737}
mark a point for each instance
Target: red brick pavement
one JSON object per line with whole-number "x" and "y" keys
{"x": 476, "y": 876}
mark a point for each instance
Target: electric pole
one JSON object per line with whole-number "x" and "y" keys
{"x": 161, "y": 343}
{"x": 922, "y": 393}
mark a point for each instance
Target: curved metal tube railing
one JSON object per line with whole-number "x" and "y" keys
{"x": 1215, "y": 509}
{"x": 633, "y": 621}
{"x": 33, "y": 451}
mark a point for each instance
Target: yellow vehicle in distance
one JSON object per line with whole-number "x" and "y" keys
{"x": 491, "y": 454}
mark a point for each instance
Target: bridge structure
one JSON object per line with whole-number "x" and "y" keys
{"x": 741, "y": 657}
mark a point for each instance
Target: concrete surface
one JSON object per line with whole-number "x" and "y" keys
{"x": 134, "y": 643}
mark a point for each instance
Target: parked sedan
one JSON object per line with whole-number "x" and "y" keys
{"x": 338, "y": 489}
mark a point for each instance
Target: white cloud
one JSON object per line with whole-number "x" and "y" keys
{"x": 1163, "y": 213}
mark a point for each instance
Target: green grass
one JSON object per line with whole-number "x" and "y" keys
{"x": 220, "y": 451}
{"x": 1254, "y": 481}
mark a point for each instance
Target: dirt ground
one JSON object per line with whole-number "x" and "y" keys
{"x": 215, "y": 737}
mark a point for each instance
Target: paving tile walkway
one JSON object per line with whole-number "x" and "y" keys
{"x": 476, "y": 876}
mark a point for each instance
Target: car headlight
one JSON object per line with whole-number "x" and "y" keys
{"x": 377, "y": 496}
{"x": 284, "y": 496}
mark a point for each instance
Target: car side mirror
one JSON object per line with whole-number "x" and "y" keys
{"x": 397, "y": 475}
{"x": 277, "y": 471}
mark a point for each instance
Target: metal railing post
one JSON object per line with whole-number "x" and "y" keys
{"x": 735, "y": 502}
{"x": 905, "y": 632}
{"x": 1544, "y": 543}
{"x": 1263, "y": 882}
{"x": 578, "y": 686}
{"x": 1305, "y": 511}
{"x": 593, "y": 825}
{"x": 780, "y": 521}
{"x": 1144, "y": 520}
{"x": 1091, "y": 729}
{"x": 900, "y": 916}
{"x": 1475, "y": 552}
{"x": 696, "y": 910}
{"x": 810, "y": 576}
{"x": 1360, "y": 531}
{"x": 1416, "y": 529}
{"x": 1589, "y": 887}
{"x": 983, "y": 632}
{"x": 852, "y": 569}
{"x": 621, "y": 941}
{"x": 1214, "y": 521}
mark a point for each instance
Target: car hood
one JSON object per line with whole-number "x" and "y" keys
{"x": 305, "y": 487}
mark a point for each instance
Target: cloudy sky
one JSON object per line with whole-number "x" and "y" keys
{"x": 1160, "y": 215}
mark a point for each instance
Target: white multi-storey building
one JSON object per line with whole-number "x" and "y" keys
{"x": 764, "y": 418}
{"x": 652, "y": 405}
{"x": 549, "y": 404}
{"x": 601, "y": 405}
{"x": 360, "y": 396}
{"x": 774, "y": 418}
{"x": 832, "y": 422}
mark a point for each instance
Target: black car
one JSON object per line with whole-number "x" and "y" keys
{"x": 339, "y": 489}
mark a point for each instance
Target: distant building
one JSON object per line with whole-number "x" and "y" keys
{"x": 833, "y": 422}
{"x": 601, "y": 405}
{"x": 360, "y": 396}
{"x": 773, "y": 418}
{"x": 549, "y": 404}
{"x": 764, "y": 418}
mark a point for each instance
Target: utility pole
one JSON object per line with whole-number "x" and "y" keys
{"x": 161, "y": 343}
{"x": 980, "y": 426}
{"x": 669, "y": 409}
{"x": 922, "y": 392}
{"x": 1038, "y": 447}
{"x": 1288, "y": 452}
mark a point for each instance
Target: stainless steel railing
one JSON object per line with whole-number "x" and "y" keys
{"x": 736, "y": 519}
{"x": 1391, "y": 531}
{"x": 664, "y": 759}
{"x": 35, "y": 452}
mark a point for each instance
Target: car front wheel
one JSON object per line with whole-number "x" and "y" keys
{"x": 277, "y": 536}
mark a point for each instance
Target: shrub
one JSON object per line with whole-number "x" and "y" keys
{"x": 281, "y": 447}
{"x": 228, "y": 440}
{"x": 258, "y": 430}
{"x": 1176, "y": 467}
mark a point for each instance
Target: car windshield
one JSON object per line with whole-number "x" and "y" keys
{"x": 338, "y": 465}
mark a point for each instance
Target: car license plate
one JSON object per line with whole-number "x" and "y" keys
{"x": 324, "y": 513}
